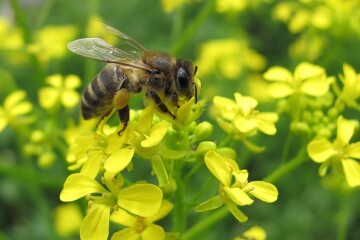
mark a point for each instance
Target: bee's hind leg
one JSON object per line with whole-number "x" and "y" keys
{"x": 153, "y": 95}
{"x": 124, "y": 116}
{"x": 104, "y": 119}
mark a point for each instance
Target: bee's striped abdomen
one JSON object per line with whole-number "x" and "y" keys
{"x": 97, "y": 100}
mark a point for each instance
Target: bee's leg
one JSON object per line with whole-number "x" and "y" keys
{"x": 124, "y": 116}
{"x": 153, "y": 95}
{"x": 104, "y": 119}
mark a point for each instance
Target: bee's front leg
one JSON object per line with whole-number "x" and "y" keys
{"x": 155, "y": 97}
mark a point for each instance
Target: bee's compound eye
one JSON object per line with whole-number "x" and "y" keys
{"x": 182, "y": 80}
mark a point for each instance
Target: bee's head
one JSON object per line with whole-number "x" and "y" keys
{"x": 184, "y": 80}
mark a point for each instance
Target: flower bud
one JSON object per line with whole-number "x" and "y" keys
{"x": 202, "y": 131}
{"x": 203, "y": 148}
{"x": 227, "y": 152}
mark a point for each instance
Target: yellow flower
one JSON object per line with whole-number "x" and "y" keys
{"x": 140, "y": 227}
{"x": 61, "y": 90}
{"x": 10, "y": 37}
{"x": 140, "y": 199}
{"x": 230, "y": 5}
{"x": 242, "y": 114}
{"x": 234, "y": 187}
{"x": 14, "y": 110}
{"x": 307, "y": 79}
{"x": 351, "y": 86}
{"x": 68, "y": 218}
{"x": 50, "y": 42}
{"x": 254, "y": 233}
{"x": 171, "y": 5}
{"x": 230, "y": 57}
{"x": 339, "y": 154}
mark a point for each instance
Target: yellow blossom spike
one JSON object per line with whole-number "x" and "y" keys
{"x": 96, "y": 223}
{"x": 141, "y": 199}
{"x": 262, "y": 190}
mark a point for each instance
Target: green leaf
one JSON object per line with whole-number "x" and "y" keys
{"x": 210, "y": 204}
{"x": 96, "y": 223}
{"x": 141, "y": 199}
{"x": 160, "y": 170}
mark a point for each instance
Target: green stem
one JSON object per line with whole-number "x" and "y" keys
{"x": 287, "y": 147}
{"x": 193, "y": 27}
{"x": 344, "y": 217}
{"x": 205, "y": 224}
{"x": 286, "y": 168}
{"x": 179, "y": 218}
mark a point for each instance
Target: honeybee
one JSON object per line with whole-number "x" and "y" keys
{"x": 132, "y": 71}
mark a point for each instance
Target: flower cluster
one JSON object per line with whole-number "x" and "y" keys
{"x": 234, "y": 189}
{"x": 339, "y": 154}
{"x": 241, "y": 119}
{"x": 107, "y": 154}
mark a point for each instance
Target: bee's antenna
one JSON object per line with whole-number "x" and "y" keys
{"x": 195, "y": 90}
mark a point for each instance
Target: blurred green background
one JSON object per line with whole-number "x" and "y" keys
{"x": 232, "y": 42}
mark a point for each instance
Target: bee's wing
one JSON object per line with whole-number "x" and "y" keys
{"x": 98, "y": 49}
{"x": 127, "y": 39}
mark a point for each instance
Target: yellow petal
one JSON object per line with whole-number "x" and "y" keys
{"x": 21, "y": 108}
{"x": 320, "y": 150}
{"x": 279, "y": 90}
{"x": 119, "y": 160}
{"x": 122, "y": 217}
{"x": 218, "y": 167}
{"x": 145, "y": 119}
{"x": 353, "y": 150}
{"x": 307, "y": 70}
{"x": 278, "y": 74}
{"x": 77, "y": 186}
{"x": 265, "y": 123}
{"x": 315, "y": 86}
{"x": 352, "y": 172}
{"x": 70, "y": 98}
{"x": 262, "y": 190}
{"x": 244, "y": 125}
{"x": 68, "y": 218}
{"x": 13, "y": 99}
{"x": 153, "y": 232}
{"x": 127, "y": 233}
{"x": 141, "y": 199}
{"x": 157, "y": 133}
{"x": 55, "y": 80}
{"x": 48, "y": 97}
{"x": 72, "y": 82}
{"x": 345, "y": 130}
{"x": 256, "y": 233}
{"x": 165, "y": 208}
{"x": 238, "y": 196}
{"x": 96, "y": 223}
